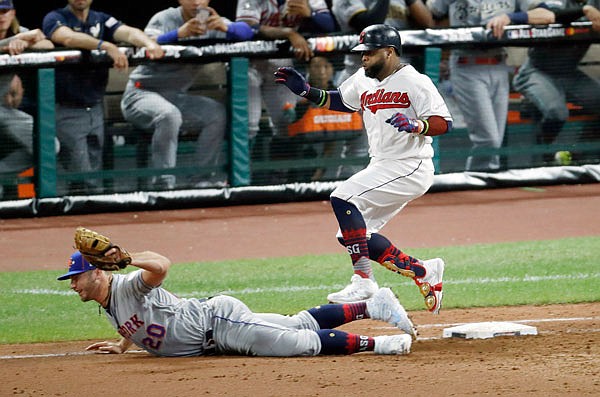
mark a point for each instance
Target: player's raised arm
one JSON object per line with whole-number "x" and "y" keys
{"x": 293, "y": 80}
{"x": 155, "y": 265}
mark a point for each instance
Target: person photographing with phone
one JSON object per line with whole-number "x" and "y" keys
{"x": 201, "y": 20}
{"x": 202, "y": 14}
{"x": 157, "y": 99}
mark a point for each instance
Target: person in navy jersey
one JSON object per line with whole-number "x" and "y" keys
{"x": 79, "y": 91}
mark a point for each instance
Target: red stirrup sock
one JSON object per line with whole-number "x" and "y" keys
{"x": 383, "y": 251}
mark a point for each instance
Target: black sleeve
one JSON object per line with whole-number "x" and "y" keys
{"x": 374, "y": 14}
{"x": 568, "y": 15}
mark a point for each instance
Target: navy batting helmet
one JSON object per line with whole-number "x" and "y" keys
{"x": 379, "y": 36}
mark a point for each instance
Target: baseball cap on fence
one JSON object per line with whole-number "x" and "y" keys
{"x": 77, "y": 265}
{"x": 6, "y": 5}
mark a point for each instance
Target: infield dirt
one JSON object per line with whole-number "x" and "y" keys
{"x": 564, "y": 359}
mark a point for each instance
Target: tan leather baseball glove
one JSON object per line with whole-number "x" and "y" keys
{"x": 93, "y": 247}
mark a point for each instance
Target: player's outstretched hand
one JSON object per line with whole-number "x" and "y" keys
{"x": 404, "y": 123}
{"x": 106, "y": 347}
{"x": 293, "y": 80}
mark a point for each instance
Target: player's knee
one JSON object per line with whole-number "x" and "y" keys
{"x": 341, "y": 207}
{"x": 557, "y": 113}
{"x": 218, "y": 115}
{"x": 171, "y": 120}
{"x": 347, "y": 214}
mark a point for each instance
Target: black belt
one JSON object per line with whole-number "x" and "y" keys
{"x": 209, "y": 347}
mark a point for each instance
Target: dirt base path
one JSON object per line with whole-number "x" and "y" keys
{"x": 440, "y": 219}
{"x": 564, "y": 359}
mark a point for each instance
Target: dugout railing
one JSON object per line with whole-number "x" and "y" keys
{"x": 250, "y": 166}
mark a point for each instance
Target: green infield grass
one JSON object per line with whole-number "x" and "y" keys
{"x": 34, "y": 307}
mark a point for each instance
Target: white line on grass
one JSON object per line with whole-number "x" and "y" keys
{"x": 42, "y": 291}
{"x": 83, "y": 353}
{"x": 299, "y": 288}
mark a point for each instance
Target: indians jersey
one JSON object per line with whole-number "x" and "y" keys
{"x": 406, "y": 91}
{"x": 344, "y": 10}
{"x": 156, "y": 320}
{"x": 273, "y": 12}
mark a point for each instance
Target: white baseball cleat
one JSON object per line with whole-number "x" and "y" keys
{"x": 359, "y": 289}
{"x": 392, "y": 344}
{"x": 384, "y": 306}
{"x": 431, "y": 285}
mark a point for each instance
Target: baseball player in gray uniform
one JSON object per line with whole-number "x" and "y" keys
{"x": 401, "y": 110}
{"x": 480, "y": 77}
{"x": 159, "y": 322}
{"x": 156, "y": 95}
{"x": 550, "y": 80}
{"x": 272, "y": 20}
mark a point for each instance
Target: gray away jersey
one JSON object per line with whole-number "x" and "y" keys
{"x": 344, "y": 10}
{"x": 474, "y": 13}
{"x": 161, "y": 77}
{"x": 155, "y": 319}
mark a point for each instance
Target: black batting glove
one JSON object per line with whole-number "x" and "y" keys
{"x": 293, "y": 80}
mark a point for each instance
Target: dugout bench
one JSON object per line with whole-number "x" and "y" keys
{"x": 128, "y": 147}
{"x": 580, "y": 135}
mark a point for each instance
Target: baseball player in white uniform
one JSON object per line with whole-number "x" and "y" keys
{"x": 480, "y": 76}
{"x": 272, "y": 20}
{"x": 355, "y": 15}
{"x": 163, "y": 324}
{"x": 401, "y": 110}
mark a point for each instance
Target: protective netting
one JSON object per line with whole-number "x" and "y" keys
{"x": 289, "y": 140}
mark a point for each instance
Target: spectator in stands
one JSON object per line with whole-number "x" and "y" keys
{"x": 282, "y": 19}
{"x": 157, "y": 98}
{"x": 16, "y": 126}
{"x": 353, "y": 16}
{"x": 551, "y": 76}
{"x": 320, "y": 130}
{"x": 14, "y": 39}
{"x": 80, "y": 91}
{"x": 480, "y": 77}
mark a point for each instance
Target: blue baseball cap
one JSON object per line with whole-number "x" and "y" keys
{"x": 77, "y": 265}
{"x": 6, "y": 5}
